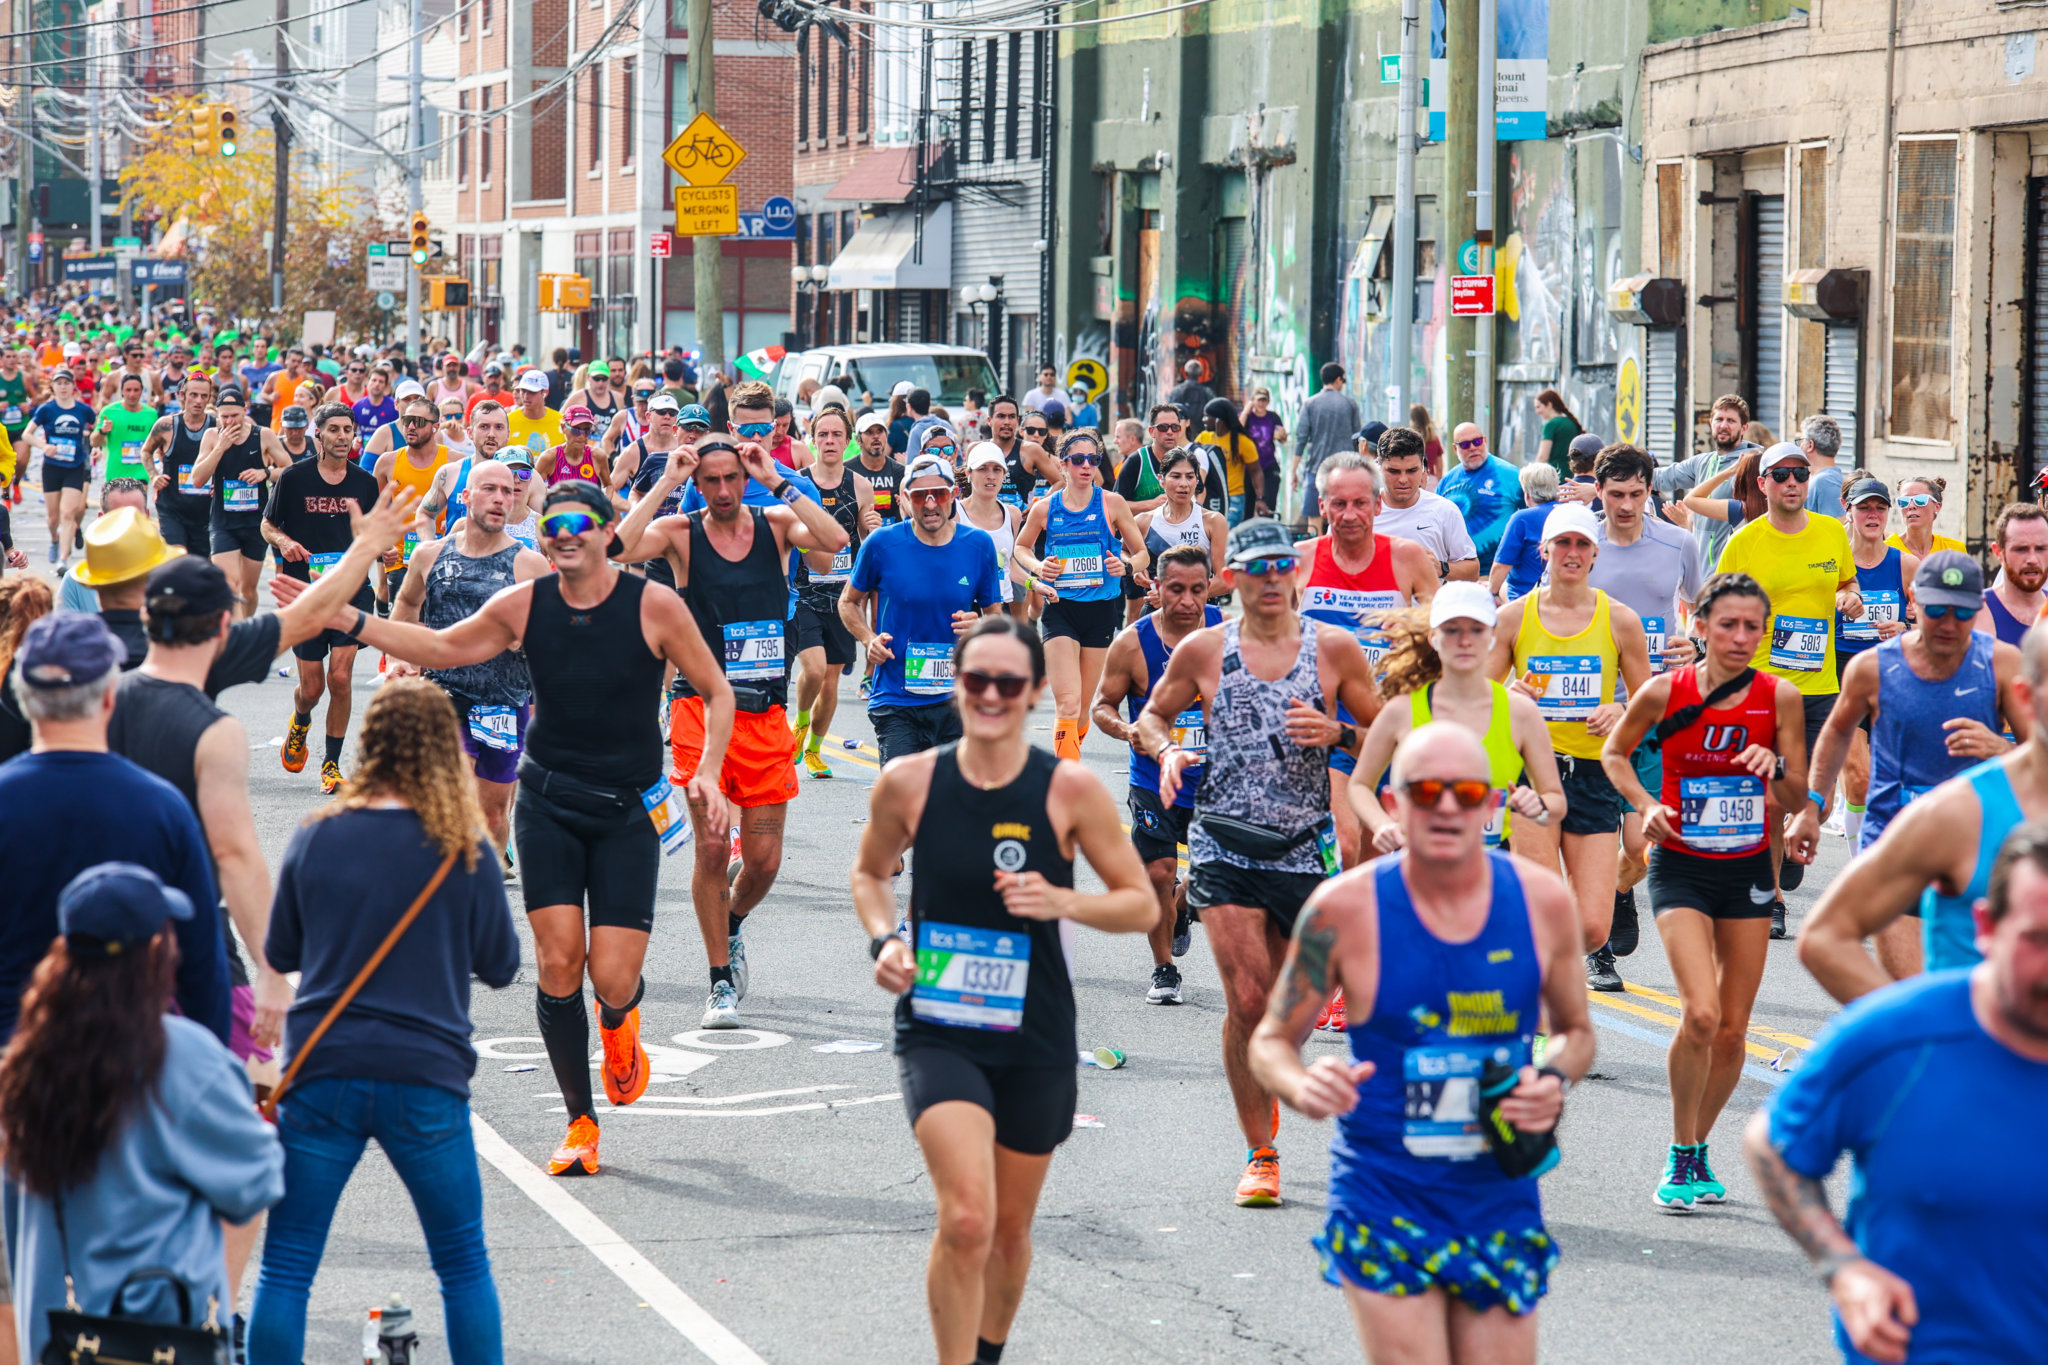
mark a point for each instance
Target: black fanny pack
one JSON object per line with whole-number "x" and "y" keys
{"x": 752, "y": 700}
{"x": 573, "y": 793}
{"x": 1261, "y": 843}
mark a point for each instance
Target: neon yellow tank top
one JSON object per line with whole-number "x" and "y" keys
{"x": 1574, "y": 673}
{"x": 1503, "y": 760}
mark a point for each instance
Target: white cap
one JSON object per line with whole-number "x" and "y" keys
{"x": 928, "y": 466}
{"x": 408, "y": 388}
{"x": 902, "y": 389}
{"x": 1462, "y": 601}
{"x": 533, "y": 381}
{"x": 870, "y": 419}
{"x": 1571, "y": 517}
{"x": 985, "y": 452}
{"x": 1779, "y": 453}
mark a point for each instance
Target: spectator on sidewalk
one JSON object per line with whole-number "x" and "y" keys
{"x": 1326, "y": 425}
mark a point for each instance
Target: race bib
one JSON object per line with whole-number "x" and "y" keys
{"x": 1721, "y": 814}
{"x": 753, "y": 651}
{"x": 59, "y": 451}
{"x": 1080, "y": 564}
{"x": 665, "y": 808}
{"x": 970, "y": 978}
{"x": 1497, "y": 818}
{"x": 1440, "y": 1117}
{"x": 1799, "y": 643}
{"x": 1191, "y": 732}
{"x": 1326, "y": 849}
{"x": 928, "y": 670}
{"x": 1347, "y": 607}
{"x": 12, "y": 417}
{"x": 1880, "y": 606}
{"x": 1658, "y": 636}
{"x": 240, "y": 495}
{"x": 187, "y": 486}
{"x": 411, "y": 543}
{"x": 131, "y": 452}
{"x": 842, "y": 568}
{"x": 1570, "y": 685}
{"x": 317, "y": 565}
{"x": 496, "y": 726}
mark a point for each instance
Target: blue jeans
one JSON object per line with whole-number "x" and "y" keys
{"x": 425, "y": 1131}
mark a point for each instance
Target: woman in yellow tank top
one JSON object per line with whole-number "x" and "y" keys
{"x": 1438, "y": 657}
{"x": 1566, "y": 645}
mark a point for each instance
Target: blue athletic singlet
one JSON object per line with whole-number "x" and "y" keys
{"x": 1908, "y": 755}
{"x": 1413, "y": 1147}
{"x": 1145, "y": 771}
{"x": 1081, "y": 541}
{"x": 2004, "y": 624}
{"x": 1884, "y": 599}
{"x": 1948, "y": 934}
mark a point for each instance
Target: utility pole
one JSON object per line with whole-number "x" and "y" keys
{"x": 1484, "y": 163}
{"x": 92, "y": 132}
{"x": 281, "y": 185}
{"x": 1412, "y": 70}
{"x": 1461, "y": 47}
{"x": 415, "y": 193}
{"x": 707, "y": 254}
{"x": 25, "y": 152}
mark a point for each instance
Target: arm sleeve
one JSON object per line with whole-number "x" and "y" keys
{"x": 493, "y": 942}
{"x": 203, "y": 988}
{"x": 251, "y": 648}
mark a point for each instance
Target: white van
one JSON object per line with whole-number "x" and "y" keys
{"x": 946, "y": 372}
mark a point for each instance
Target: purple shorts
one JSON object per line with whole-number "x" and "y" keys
{"x": 240, "y": 1042}
{"x": 494, "y": 737}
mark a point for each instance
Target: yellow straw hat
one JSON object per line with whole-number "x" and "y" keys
{"x": 122, "y": 546}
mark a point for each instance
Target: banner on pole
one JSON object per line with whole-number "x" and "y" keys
{"x": 1521, "y": 71}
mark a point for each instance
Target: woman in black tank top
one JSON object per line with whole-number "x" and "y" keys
{"x": 985, "y": 1038}
{"x": 592, "y": 673}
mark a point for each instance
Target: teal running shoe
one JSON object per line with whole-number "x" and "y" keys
{"x": 1705, "y": 1189}
{"x": 1675, "y": 1194}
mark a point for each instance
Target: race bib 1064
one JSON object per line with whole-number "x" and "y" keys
{"x": 240, "y": 495}
{"x": 970, "y": 978}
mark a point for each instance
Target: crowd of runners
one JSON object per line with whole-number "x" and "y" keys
{"x": 1412, "y": 776}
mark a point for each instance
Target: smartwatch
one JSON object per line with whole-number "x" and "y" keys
{"x": 1564, "y": 1082}
{"x": 879, "y": 942}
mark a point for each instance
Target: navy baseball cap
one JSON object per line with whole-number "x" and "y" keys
{"x": 114, "y": 907}
{"x": 68, "y": 649}
{"x": 1370, "y": 433}
{"x": 1586, "y": 443}
{"x": 187, "y": 586}
{"x": 1863, "y": 490}
{"x": 1949, "y": 578}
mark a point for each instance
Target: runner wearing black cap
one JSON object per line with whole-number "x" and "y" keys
{"x": 730, "y": 565}
{"x": 594, "y": 810}
{"x": 239, "y": 459}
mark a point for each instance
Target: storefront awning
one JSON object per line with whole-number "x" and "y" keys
{"x": 880, "y": 256}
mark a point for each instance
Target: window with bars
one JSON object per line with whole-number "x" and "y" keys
{"x": 864, "y": 53}
{"x": 803, "y": 106}
{"x": 593, "y": 118}
{"x": 1923, "y": 284}
{"x": 483, "y": 136}
{"x": 823, "y": 79}
{"x": 845, "y": 86}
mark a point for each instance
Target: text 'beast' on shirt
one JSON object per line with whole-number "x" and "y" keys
{"x": 1800, "y": 571}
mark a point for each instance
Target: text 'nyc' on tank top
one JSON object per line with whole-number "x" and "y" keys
{"x": 989, "y": 984}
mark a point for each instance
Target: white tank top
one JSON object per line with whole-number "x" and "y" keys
{"x": 1005, "y": 538}
{"x": 1193, "y": 531}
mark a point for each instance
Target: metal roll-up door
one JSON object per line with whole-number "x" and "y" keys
{"x": 1841, "y": 385}
{"x": 1660, "y": 393}
{"x": 2037, "y": 323}
{"x": 1769, "y": 388}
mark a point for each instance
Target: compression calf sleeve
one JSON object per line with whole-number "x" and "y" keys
{"x": 1066, "y": 739}
{"x": 565, "y": 1029}
{"x": 1852, "y": 822}
{"x": 334, "y": 743}
{"x": 612, "y": 1018}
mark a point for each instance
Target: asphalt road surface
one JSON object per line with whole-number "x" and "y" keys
{"x": 766, "y": 1202}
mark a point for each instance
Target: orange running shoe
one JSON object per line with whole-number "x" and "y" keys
{"x": 578, "y": 1153}
{"x": 1332, "y": 1016}
{"x": 293, "y": 754}
{"x": 1260, "y": 1186}
{"x": 330, "y": 777}
{"x": 625, "y": 1060}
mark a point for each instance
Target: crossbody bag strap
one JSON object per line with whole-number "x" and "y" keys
{"x": 419, "y": 903}
{"x": 1686, "y": 715}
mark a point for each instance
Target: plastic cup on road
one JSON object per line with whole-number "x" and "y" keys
{"x": 1108, "y": 1058}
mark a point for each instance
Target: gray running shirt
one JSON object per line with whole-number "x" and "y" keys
{"x": 1647, "y": 577}
{"x": 1254, "y": 771}
{"x": 1327, "y": 423}
{"x": 457, "y": 588}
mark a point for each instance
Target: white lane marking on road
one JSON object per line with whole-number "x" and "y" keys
{"x": 728, "y": 1040}
{"x": 614, "y": 1252}
{"x": 669, "y": 1112}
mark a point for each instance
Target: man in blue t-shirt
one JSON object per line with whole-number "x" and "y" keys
{"x": 376, "y": 407}
{"x": 1938, "y": 1086}
{"x": 932, "y": 575}
{"x": 1486, "y": 490}
{"x": 69, "y": 804}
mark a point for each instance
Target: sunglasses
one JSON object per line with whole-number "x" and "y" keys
{"x": 946, "y": 450}
{"x": 1938, "y": 612}
{"x": 1008, "y": 686}
{"x": 753, "y": 431}
{"x": 1781, "y": 474}
{"x": 695, "y": 428}
{"x": 1258, "y": 568}
{"x": 1037, "y": 431}
{"x": 451, "y": 416}
{"x": 931, "y": 495}
{"x": 574, "y": 521}
{"x": 1428, "y": 792}
{"x": 1473, "y": 444}
{"x": 416, "y": 421}
{"x": 520, "y": 473}
{"x": 1915, "y": 499}
{"x": 1166, "y": 426}
{"x": 642, "y": 395}
{"x": 1082, "y": 459}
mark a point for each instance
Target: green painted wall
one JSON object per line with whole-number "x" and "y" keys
{"x": 1672, "y": 19}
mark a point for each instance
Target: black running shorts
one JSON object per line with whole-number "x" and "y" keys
{"x": 1033, "y": 1106}
{"x": 1157, "y": 830}
{"x": 1280, "y": 894}
{"x": 609, "y": 863}
{"x": 1093, "y": 624}
{"x": 815, "y": 627}
{"x": 1719, "y": 888}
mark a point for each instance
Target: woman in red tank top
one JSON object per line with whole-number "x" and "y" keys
{"x": 1734, "y": 758}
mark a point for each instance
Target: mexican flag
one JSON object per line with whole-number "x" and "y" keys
{"x": 760, "y": 364}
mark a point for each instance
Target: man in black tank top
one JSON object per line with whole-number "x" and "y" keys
{"x": 1032, "y": 469}
{"x": 450, "y": 580}
{"x": 728, "y": 560}
{"x": 239, "y": 459}
{"x": 183, "y": 506}
{"x": 883, "y": 473}
{"x": 822, "y": 644}
{"x": 985, "y": 1032}
{"x": 594, "y": 811}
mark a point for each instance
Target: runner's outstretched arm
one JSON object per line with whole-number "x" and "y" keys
{"x": 1878, "y": 886}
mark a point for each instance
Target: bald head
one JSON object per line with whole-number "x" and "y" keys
{"x": 1470, "y": 443}
{"x": 1443, "y": 750}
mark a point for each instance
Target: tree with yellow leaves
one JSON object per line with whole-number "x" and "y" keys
{"x": 226, "y": 204}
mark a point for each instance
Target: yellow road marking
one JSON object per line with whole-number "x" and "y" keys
{"x": 1670, "y": 1021}
{"x": 1775, "y": 1035}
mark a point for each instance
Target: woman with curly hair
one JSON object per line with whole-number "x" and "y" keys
{"x": 396, "y": 1064}
{"x": 23, "y": 602}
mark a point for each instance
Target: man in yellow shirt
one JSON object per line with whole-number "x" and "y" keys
{"x": 534, "y": 424}
{"x": 1806, "y": 567}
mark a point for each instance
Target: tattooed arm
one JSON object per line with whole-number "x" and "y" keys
{"x": 1307, "y": 979}
{"x": 1877, "y": 1307}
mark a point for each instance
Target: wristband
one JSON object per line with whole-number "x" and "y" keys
{"x": 789, "y": 493}
{"x": 1818, "y": 800}
{"x": 878, "y": 942}
{"x": 1164, "y": 750}
{"x": 1564, "y": 1082}
{"x": 1828, "y": 1266}
{"x": 361, "y": 617}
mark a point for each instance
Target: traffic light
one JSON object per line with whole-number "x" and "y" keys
{"x": 446, "y": 293}
{"x": 224, "y": 121}
{"x": 420, "y": 246}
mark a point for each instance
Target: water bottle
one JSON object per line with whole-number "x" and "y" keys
{"x": 395, "y": 1337}
{"x": 371, "y": 1327}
